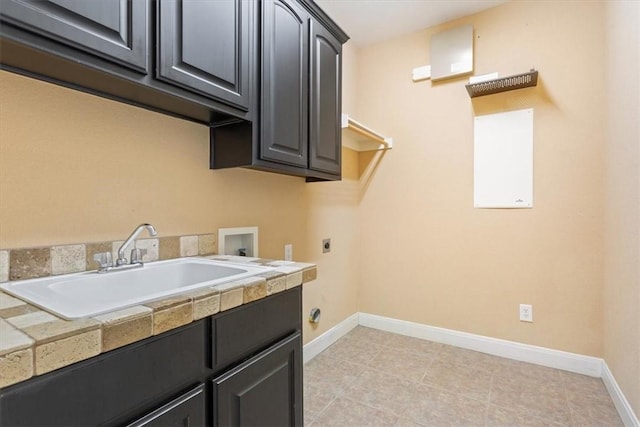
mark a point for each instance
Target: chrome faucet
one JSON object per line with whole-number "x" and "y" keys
{"x": 122, "y": 260}
{"x": 105, "y": 260}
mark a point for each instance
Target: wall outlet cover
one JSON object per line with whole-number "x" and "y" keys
{"x": 526, "y": 313}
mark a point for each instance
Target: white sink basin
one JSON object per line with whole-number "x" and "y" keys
{"x": 78, "y": 295}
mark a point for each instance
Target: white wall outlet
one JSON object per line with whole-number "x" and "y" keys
{"x": 288, "y": 252}
{"x": 526, "y": 313}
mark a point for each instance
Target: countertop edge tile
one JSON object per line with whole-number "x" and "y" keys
{"x": 55, "y": 343}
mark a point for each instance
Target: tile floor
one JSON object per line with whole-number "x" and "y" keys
{"x": 375, "y": 378}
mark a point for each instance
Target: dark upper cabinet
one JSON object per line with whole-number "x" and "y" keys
{"x": 285, "y": 77}
{"x": 264, "y": 391}
{"x": 325, "y": 137}
{"x": 115, "y": 30}
{"x": 298, "y": 131}
{"x": 204, "y": 46}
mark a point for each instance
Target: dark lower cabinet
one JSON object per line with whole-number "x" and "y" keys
{"x": 266, "y": 390}
{"x": 173, "y": 379}
{"x": 187, "y": 410}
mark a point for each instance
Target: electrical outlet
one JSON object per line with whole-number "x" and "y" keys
{"x": 326, "y": 246}
{"x": 526, "y": 313}
{"x": 288, "y": 252}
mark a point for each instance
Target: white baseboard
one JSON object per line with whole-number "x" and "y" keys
{"x": 622, "y": 404}
{"x": 320, "y": 343}
{"x": 571, "y": 362}
{"x": 577, "y": 363}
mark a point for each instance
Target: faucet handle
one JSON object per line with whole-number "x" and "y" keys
{"x": 137, "y": 254}
{"x": 104, "y": 260}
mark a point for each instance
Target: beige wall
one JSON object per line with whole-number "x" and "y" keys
{"x": 427, "y": 255}
{"x": 78, "y": 168}
{"x": 622, "y": 201}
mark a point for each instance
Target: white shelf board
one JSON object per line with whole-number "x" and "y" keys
{"x": 359, "y": 137}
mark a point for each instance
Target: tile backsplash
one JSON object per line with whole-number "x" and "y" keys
{"x": 28, "y": 263}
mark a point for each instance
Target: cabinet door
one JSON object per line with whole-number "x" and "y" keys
{"x": 325, "y": 136}
{"x": 116, "y": 30}
{"x": 187, "y": 410}
{"x": 284, "y": 78}
{"x": 266, "y": 390}
{"x": 204, "y": 46}
{"x": 112, "y": 388}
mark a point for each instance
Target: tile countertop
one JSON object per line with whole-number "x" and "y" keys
{"x": 34, "y": 342}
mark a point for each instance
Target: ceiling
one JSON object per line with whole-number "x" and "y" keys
{"x": 372, "y": 21}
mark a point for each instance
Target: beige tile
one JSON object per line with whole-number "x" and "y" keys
{"x": 353, "y": 350}
{"x": 498, "y": 417}
{"x": 231, "y": 298}
{"x": 316, "y": 399}
{"x": 276, "y": 282}
{"x": 294, "y": 279}
{"x": 124, "y": 314}
{"x": 169, "y": 247}
{"x": 118, "y": 334}
{"x": 370, "y": 336}
{"x": 443, "y": 408}
{"x": 18, "y": 310}
{"x": 30, "y": 319}
{"x": 151, "y": 246}
{"x": 204, "y": 307}
{"x": 465, "y": 380}
{"x": 63, "y": 352}
{"x": 205, "y": 303}
{"x": 410, "y": 366}
{"x": 93, "y": 249}
{"x": 16, "y": 367}
{"x": 387, "y": 392}
{"x": 207, "y": 244}
{"x": 4, "y": 266}
{"x": 463, "y": 356}
{"x": 68, "y": 259}
{"x": 405, "y": 422}
{"x": 333, "y": 375}
{"x": 589, "y": 411}
{"x": 518, "y": 391}
{"x": 346, "y": 412}
{"x": 125, "y": 326}
{"x": 309, "y": 274}
{"x": 29, "y": 263}
{"x": 44, "y": 327}
{"x": 532, "y": 374}
{"x": 11, "y": 339}
{"x": 411, "y": 344}
{"x": 9, "y": 305}
{"x": 576, "y": 384}
{"x": 255, "y": 288}
{"x": 188, "y": 246}
{"x": 168, "y": 302}
{"x": 172, "y": 317}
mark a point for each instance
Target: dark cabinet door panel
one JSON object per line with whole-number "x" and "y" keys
{"x": 245, "y": 330}
{"x": 204, "y": 47}
{"x": 118, "y": 384}
{"x": 264, "y": 391}
{"x": 284, "y": 82}
{"x": 187, "y": 410}
{"x": 116, "y": 30}
{"x": 325, "y": 137}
